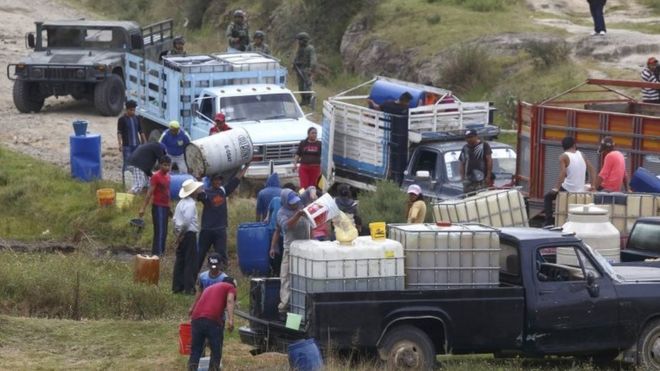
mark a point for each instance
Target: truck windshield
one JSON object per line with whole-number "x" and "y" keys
{"x": 90, "y": 38}
{"x": 504, "y": 162}
{"x": 260, "y": 107}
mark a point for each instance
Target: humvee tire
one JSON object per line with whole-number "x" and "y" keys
{"x": 109, "y": 96}
{"x": 27, "y": 97}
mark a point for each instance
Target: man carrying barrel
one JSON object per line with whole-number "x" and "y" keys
{"x": 214, "y": 216}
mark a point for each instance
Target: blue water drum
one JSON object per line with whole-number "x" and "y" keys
{"x": 176, "y": 181}
{"x": 85, "y": 157}
{"x": 80, "y": 128}
{"x": 304, "y": 355}
{"x": 384, "y": 90}
{"x": 645, "y": 181}
{"x": 253, "y": 243}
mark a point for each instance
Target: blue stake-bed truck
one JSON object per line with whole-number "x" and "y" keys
{"x": 542, "y": 306}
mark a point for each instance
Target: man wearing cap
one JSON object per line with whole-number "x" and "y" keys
{"x": 143, "y": 160}
{"x": 258, "y": 45}
{"x": 159, "y": 196}
{"x": 238, "y": 35}
{"x": 185, "y": 230}
{"x": 214, "y": 216}
{"x": 175, "y": 140}
{"x": 612, "y": 175}
{"x": 650, "y": 95}
{"x": 178, "y": 48}
{"x": 209, "y": 277}
{"x": 416, "y": 208}
{"x": 208, "y": 322}
{"x": 476, "y": 163}
{"x": 293, "y": 226}
{"x": 220, "y": 124}
{"x": 304, "y": 64}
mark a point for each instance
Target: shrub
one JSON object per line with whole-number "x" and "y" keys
{"x": 547, "y": 54}
{"x": 433, "y": 19}
{"x": 386, "y": 204}
{"x": 468, "y": 68}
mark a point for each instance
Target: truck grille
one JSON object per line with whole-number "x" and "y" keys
{"x": 277, "y": 152}
{"x": 61, "y": 74}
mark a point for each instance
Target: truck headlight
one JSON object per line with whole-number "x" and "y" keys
{"x": 258, "y": 153}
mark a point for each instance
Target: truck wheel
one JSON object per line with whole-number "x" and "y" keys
{"x": 27, "y": 97}
{"x": 648, "y": 347}
{"x": 407, "y": 348}
{"x": 109, "y": 96}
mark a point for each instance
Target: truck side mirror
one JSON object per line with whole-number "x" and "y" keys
{"x": 423, "y": 175}
{"x": 137, "y": 42}
{"x": 592, "y": 286}
{"x": 29, "y": 38}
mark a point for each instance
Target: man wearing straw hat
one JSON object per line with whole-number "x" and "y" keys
{"x": 185, "y": 230}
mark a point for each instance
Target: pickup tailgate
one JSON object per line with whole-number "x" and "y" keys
{"x": 475, "y": 320}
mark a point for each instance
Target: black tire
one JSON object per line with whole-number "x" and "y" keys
{"x": 27, "y": 97}
{"x": 648, "y": 347}
{"x": 407, "y": 348}
{"x": 109, "y": 96}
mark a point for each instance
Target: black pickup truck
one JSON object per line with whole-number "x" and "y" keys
{"x": 643, "y": 241}
{"x": 556, "y": 297}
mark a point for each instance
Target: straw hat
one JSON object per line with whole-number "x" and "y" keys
{"x": 188, "y": 187}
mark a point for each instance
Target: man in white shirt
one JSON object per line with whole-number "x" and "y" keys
{"x": 572, "y": 168}
{"x": 186, "y": 228}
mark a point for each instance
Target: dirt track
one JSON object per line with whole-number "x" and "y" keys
{"x": 46, "y": 135}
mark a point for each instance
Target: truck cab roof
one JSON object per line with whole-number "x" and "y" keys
{"x": 128, "y": 25}
{"x": 245, "y": 90}
{"x": 536, "y": 236}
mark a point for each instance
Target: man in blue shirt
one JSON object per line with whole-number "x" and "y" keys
{"x": 209, "y": 277}
{"x": 264, "y": 196}
{"x": 175, "y": 140}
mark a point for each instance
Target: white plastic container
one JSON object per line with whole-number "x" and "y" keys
{"x": 592, "y": 224}
{"x": 322, "y": 210}
{"x": 449, "y": 257}
{"x": 496, "y": 208}
{"x": 327, "y": 266}
{"x": 219, "y": 153}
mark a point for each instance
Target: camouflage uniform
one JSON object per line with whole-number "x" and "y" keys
{"x": 263, "y": 48}
{"x": 241, "y": 31}
{"x": 304, "y": 64}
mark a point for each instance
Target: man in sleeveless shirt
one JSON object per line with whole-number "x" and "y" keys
{"x": 572, "y": 168}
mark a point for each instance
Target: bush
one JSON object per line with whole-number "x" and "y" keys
{"x": 386, "y": 204}
{"x": 547, "y": 54}
{"x": 469, "y": 68}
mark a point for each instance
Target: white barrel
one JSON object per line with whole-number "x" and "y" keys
{"x": 219, "y": 153}
{"x": 592, "y": 224}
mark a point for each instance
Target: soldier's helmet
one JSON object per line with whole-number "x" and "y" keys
{"x": 239, "y": 13}
{"x": 259, "y": 35}
{"x": 179, "y": 40}
{"x": 304, "y": 36}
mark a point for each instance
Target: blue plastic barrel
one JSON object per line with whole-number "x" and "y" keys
{"x": 384, "y": 90}
{"x": 176, "y": 181}
{"x": 85, "y": 157}
{"x": 645, "y": 181}
{"x": 304, "y": 355}
{"x": 253, "y": 243}
{"x": 80, "y": 128}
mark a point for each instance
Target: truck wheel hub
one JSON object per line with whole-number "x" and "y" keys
{"x": 654, "y": 351}
{"x": 406, "y": 354}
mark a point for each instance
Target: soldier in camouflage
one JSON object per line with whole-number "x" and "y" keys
{"x": 258, "y": 45}
{"x": 178, "y": 48}
{"x": 238, "y": 35}
{"x": 304, "y": 65}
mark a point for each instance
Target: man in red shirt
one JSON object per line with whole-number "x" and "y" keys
{"x": 207, "y": 322}
{"x": 159, "y": 191}
{"x": 613, "y": 173}
{"x": 220, "y": 124}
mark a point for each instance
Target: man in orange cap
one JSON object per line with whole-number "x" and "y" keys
{"x": 220, "y": 124}
{"x": 650, "y": 95}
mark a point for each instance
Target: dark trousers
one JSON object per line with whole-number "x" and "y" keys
{"x": 216, "y": 237}
{"x": 548, "y": 209}
{"x": 276, "y": 262}
{"x": 596, "y": 8}
{"x": 304, "y": 84}
{"x": 185, "y": 265}
{"x": 126, "y": 152}
{"x": 206, "y": 329}
{"x": 159, "y": 215}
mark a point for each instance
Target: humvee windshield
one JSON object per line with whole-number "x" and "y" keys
{"x": 85, "y": 38}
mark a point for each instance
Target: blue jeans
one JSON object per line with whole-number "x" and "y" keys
{"x": 216, "y": 237}
{"x": 206, "y": 329}
{"x": 596, "y": 8}
{"x": 159, "y": 214}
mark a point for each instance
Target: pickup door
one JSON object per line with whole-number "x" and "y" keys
{"x": 465, "y": 320}
{"x": 566, "y": 314}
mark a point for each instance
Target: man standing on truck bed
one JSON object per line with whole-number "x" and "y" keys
{"x": 476, "y": 163}
{"x": 175, "y": 140}
{"x": 649, "y": 75}
{"x": 572, "y": 166}
{"x": 238, "y": 35}
{"x": 398, "y": 109}
{"x": 304, "y": 65}
{"x": 613, "y": 173}
{"x": 129, "y": 135}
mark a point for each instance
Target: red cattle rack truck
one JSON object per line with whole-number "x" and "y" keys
{"x": 588, "y": 112}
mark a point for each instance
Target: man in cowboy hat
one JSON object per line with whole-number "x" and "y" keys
{"x": 185, "y": 229}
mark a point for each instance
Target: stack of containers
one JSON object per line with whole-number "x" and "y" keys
{"x": 456, "y": 256}
{"x": 327, "y": 266}
{"x": 250, "y": 62}
{"x": 497, "y": 208}
{"x": 196, "y": 64}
